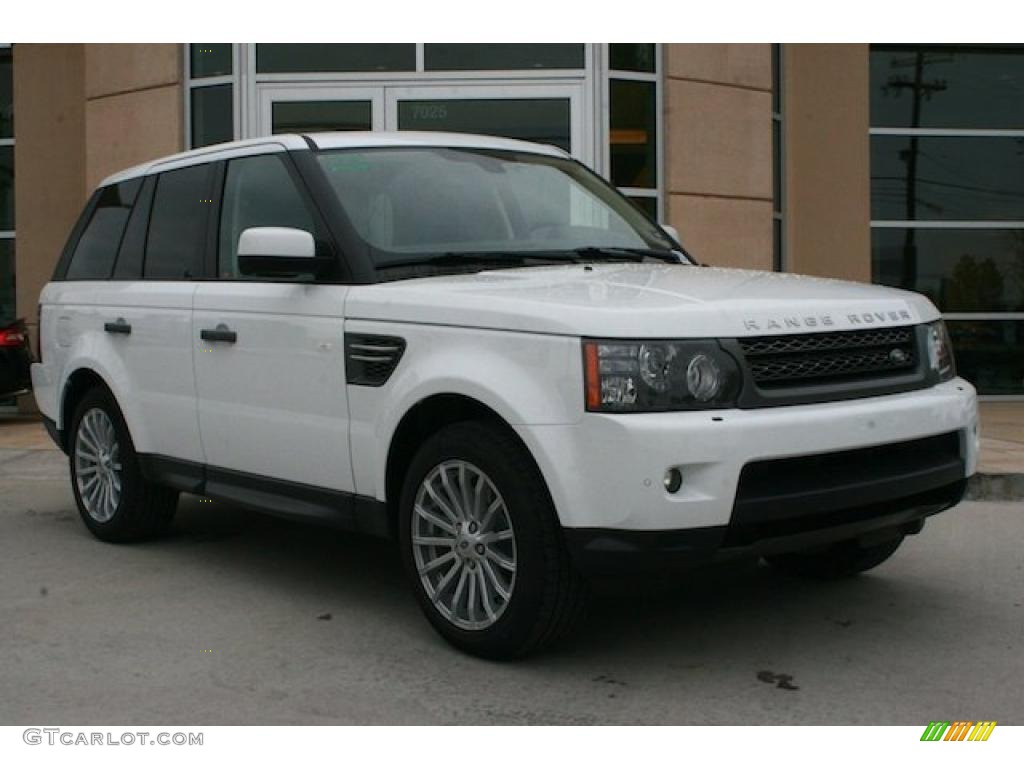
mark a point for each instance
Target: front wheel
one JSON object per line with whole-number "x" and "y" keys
{"x": 839, "y": 561}
{"x": 482, "y": 545}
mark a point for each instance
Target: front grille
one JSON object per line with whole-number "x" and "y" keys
{"x": 829, "y": 358}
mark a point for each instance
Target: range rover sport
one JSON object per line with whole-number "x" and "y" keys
{"x": 478, "y": 348}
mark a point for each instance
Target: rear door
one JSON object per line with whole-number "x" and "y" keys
{"x": 134, "y": 318}
{"x": 272, "y": 399}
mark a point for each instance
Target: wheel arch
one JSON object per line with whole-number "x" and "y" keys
{"x": 425, "y": 418}
{"x": 81, "y": 381}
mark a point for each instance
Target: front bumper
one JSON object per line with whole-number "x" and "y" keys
{"x": 615, "y": 551}
{"x": 606, "y": 472}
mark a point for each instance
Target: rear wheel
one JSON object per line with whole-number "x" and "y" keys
{"x": 482, "y": 545}
{"x": 839, "y": 561}
{"x": 115, "y": 501}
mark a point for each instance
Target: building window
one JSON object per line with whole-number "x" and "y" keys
{"x": 511, "y": 56}
{"x": 601, "y": 103}
{"x": 947, "y": 195}
{"x": 7, "y": 301}
{"x": 634, "y": 123}
{"x": 211, "y": 103}
{"x": 778, "y": 167}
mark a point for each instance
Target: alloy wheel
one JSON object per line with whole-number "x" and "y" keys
{"x": 464, "y": 545}
{"x": 98, "y": 471}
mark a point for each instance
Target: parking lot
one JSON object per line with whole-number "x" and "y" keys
{"x": 239, "y": 618}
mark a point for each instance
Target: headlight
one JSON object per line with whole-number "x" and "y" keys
{"x": 940, "y": 351}
{"x": 633, "y": 376}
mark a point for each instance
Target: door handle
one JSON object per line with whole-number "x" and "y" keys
{"x": 118, "y": 326}
{"x": 220, "y": 333}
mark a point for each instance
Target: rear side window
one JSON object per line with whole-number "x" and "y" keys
{"x": 133, "y": 244}
{"x": 177, "y": 224}
{"x": 94, "y": 255}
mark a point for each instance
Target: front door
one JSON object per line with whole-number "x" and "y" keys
{"x": 547, "y": 113}
{"x": 270, "y": 372}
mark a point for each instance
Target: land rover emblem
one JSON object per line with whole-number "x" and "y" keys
{"x": 897, "y": 357}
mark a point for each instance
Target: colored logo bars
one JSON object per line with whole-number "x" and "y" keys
{"x": 960, "y": 730}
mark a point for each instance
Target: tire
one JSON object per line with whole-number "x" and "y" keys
{"x": 839, "y": 561}
{"x": 544, "y": 595}
{"x": 115, "y": 501}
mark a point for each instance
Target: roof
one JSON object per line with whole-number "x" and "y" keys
{"x": 332, "y": 140}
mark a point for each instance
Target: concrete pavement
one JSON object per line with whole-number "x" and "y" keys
{"x": 239, "y": 618}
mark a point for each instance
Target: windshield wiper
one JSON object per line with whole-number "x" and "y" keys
{"x": 522, "y": 258}
{"x": 481, "y": 258}
{"x": 613, "y": 253}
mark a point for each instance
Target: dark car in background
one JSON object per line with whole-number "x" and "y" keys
{"x": 15, "y": 359}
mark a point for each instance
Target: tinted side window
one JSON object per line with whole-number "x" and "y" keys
{"x": 258, "y": 192}
{"x": 97, "y": 248}
{"x": 133, "y": 244}
{"x": 177, "y": 224}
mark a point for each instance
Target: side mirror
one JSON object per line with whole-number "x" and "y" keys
{"x": 276, "y": 251}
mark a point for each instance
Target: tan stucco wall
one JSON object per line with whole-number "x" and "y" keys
{"x": 49, "y": 161}
{"x": 134, "y": 109}
{"x": 82, "y": 112}
{"x": 827, "y": 160}
{"x": 130, "y": 67}
{"x": 718, "y": 151}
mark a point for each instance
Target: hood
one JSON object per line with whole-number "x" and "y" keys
{"x": 639, "y": 300}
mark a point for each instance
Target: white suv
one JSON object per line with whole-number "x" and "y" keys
{"x": 477, "y": 347}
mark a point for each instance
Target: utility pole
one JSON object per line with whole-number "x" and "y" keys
{"x": 920, "y": 90}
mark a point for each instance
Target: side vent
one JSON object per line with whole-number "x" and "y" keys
{"x": 370, "y": 360}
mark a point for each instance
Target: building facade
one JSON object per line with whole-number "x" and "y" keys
{"x": 898, "y": 164}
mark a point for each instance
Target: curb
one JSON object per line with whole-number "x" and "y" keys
{"x": 985, "y": 487}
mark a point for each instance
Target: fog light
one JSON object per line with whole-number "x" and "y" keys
{"x": 673, "y": 480}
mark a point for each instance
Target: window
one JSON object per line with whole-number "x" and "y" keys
{"x": 174, "y": 246}
{"x": 778, "y": 188}
{"x": 545, "y": 121}
{"x": 633, "y": 118}
{"x": 335, "y": 57}
{"x": 313, "y": 116}
{"x": 7, "y": 187}
{"x": 211, "y": 93}
{"x": 947, "y": 196}
{"x": 947, "y": 86}
{"x": 212, "y": 115}
{"x": 633, "y": 57}
{"x": 8, "y": 309}
{"x": 133, "y": 244}
{"x": 258, "y": 192}
{"x": 451, "y": 56}
{"x": 97, "y": 247}
{"x": 634, "y": 149}
{"x": 210, "y": 59}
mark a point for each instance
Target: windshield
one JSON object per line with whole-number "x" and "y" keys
{"x": 415, "y": 204}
